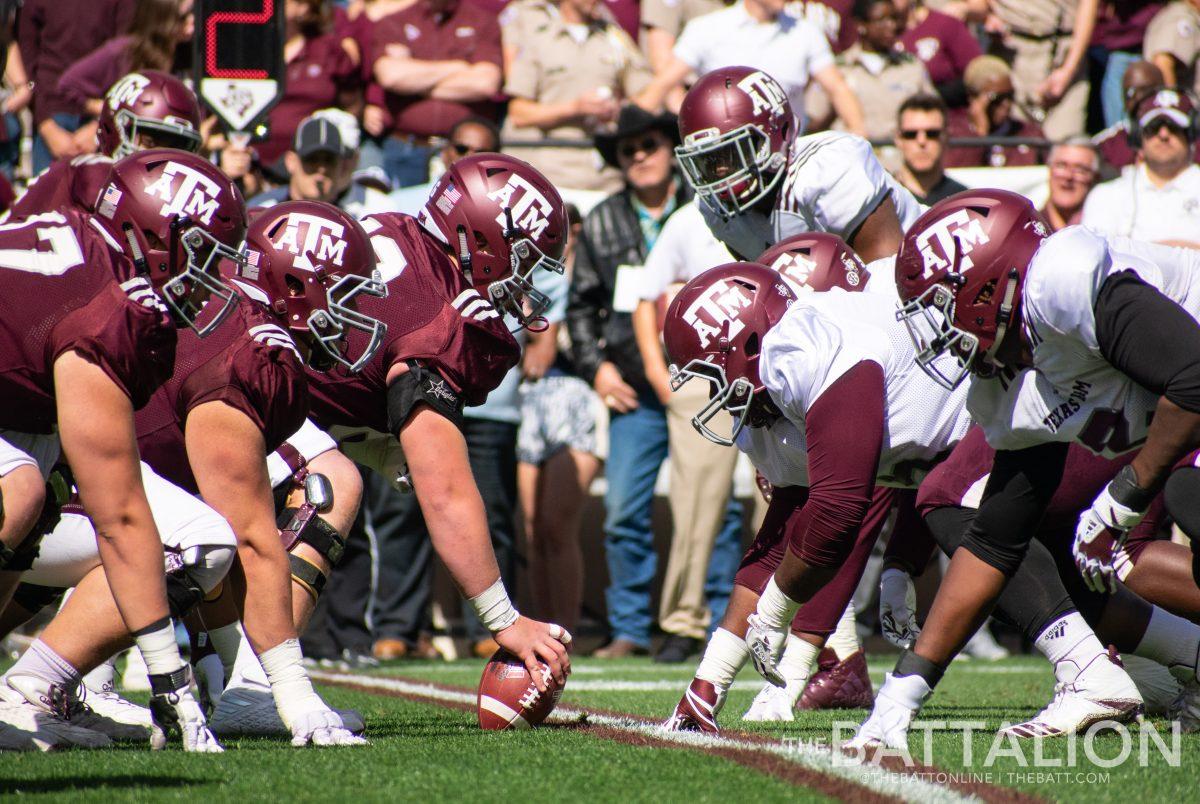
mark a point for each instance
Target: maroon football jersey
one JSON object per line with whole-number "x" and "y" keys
{"x": 433, "y": 316}
{"x": 67, "y": 287}
{"x": 249, "y": 363}
{"x": 66, "y": 184}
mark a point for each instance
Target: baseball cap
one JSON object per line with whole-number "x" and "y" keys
{"x": 317, "y": 135}
{"x": 1169, "y": 103}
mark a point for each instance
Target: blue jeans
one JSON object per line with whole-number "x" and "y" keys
{"x": 1112, "y": 97}
{"x": 724, "y": 562}
{"x": 406, "y": 163}
{"x": 637, "y": 448}
{"x": 41, "y": 153}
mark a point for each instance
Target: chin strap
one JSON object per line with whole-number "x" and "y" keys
{"x": 1004, "y": 315}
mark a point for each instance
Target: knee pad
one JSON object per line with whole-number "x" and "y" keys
{"x": 198, "y": 571}
{"x": 1182, "y": 498}
{"x": 315, "y": 531}
{"x": 34, "y": 598}
{"x": 1004, "y": 557}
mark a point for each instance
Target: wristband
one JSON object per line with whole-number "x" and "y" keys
{"x": 493, "y": 607}
{"x": 1124, "y": 489}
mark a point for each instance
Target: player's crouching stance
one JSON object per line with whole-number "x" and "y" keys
{"x": 491, "y": 222}
{"x": 1070, "y": 337}
{"x": 90, "y": 307}
{"x": 789, "y": 369}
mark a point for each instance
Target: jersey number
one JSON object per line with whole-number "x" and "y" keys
{"x": 64, "y": 254}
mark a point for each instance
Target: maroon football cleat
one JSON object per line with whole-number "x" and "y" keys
{"x": 839, "y": 685}
{"x": 697, "y": 709}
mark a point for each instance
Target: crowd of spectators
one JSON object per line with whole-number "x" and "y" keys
{"x": 382, "y": 94}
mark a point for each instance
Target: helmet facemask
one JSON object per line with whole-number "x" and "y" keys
{"x": 736, "y": 398}
{"x": 330, "y": 326}
{"x": 733, "y": 171}
{"x": 165, "y": 133}
{"x": 929, "y": 319}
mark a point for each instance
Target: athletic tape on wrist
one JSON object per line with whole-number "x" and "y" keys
{"x": 494, "y": 608}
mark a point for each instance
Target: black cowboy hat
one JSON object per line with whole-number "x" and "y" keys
{"x": 634, "y": 120}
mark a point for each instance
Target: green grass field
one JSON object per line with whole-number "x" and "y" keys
{"x": 424, "y": 750}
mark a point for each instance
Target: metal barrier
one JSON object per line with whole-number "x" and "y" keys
{"x": 954, "y": 142}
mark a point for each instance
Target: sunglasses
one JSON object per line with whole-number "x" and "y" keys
{"x": 647, "y": 144}
{"x": 999, "y": 97}
{"x": 462, "y": 149}
{"x": 913, "y": 133}
{"x": 1078, "y": 171}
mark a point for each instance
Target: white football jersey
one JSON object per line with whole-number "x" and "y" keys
{"x": 833, "y": 182}
{"x": 822, "y": 336}
{"x": 1071, "y": 393}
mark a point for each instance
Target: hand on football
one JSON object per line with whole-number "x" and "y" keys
{"x": 898, "y": 608}
{"x": 536, "y": 643}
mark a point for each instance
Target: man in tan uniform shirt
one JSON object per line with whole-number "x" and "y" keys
{"x": 1172, "y": 43}
{"x": 571, "y": 70}
{"x": 1038, "y": 34}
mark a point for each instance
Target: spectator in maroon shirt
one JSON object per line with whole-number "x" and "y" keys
{"x": 943, "y": 44}
{"x": 1074, "y": 169}
{"x": 989, "y": 113}
{"x": 438, "y": 62}
{"x": 323, "y": 71}
{"x": 52, "y": 34}
{"x": 159, "y": 38}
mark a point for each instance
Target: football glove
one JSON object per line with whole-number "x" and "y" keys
{"x": 174, "y": 711}
{"x": 766, "y": 648}
{"x": 1103, "y": 527}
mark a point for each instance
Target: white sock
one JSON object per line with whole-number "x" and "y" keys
{"x": 42, "y": 661}
{"x": 1171, "y": 641}
{"x": 1069, "y": 643}
{"x": 723, "y": 659}
{"x": 159, "y": 649}
{"x": 775, "y": 609}
{"x": 844, "y": 640}
{"x": 796, "y": 665}
{"x": 103, "y": 677}
{"x": 247, "y": 669}
{"x": 227, "y": 641}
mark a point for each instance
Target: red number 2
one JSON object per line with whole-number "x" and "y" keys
{"x": 232, "y": 18}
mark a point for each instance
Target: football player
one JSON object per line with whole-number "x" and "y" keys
{"x": 491, "y": 222}
{"x": 1069, "y": 337}
{"x": 828, "y": 353}
{"x": 90, "y": 311}
{"x": 760, "y": 182}
{"x": 234, "y": 397}
{"x": 146, "y": 109}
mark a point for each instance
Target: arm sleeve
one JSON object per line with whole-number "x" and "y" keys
{"x": 1149, "y": 338}
{"x": 1017, "y": 494}
{"x": 584, "y": 303}
{"x": 843, "y": 455}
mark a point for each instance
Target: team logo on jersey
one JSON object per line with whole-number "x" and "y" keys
{"x": 530, "y": 209}
{"x": 716, "y": 312}
{"x": 186, "y": 192}
{"x": 764, "y": 92}
{"x": 956, "y": 234}
{"x": 126, "y": 91}
{"x": 311, "y": 237}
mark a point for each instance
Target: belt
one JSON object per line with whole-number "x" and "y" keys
{"x": 1046, "y": 37}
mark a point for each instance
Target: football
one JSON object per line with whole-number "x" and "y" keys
{"x": 508, "y": 698}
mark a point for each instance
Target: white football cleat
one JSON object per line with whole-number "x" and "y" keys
{"x": 1101, "y": 691}
{"x": 983, "y": 646}
{"x": 249, "y": 711}
{"x": 1160, "y": 690}
{"x": 68, "y": 707}
{"x": 48, "y": 731}
{"x": 891, "y": 717}
{"x": 775, "y": 704}
{"x": 105, "y": 701}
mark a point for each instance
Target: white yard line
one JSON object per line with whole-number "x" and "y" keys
{"x": 812, "y": 757}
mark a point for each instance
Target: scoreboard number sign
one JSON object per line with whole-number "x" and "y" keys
{"x": 239, "y": 59}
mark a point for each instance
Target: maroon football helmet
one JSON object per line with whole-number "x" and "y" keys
{"x": 148, "y": 106}
{"x": 713, "y": 332}
{"x": 308, "y": 260}
{"x": 816, "y": 261}
{"x": 178, "y": 216}
{"x": 504, "y": 220}
{"x": 959, "y": 272}
{"x": 736, "y": 125}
